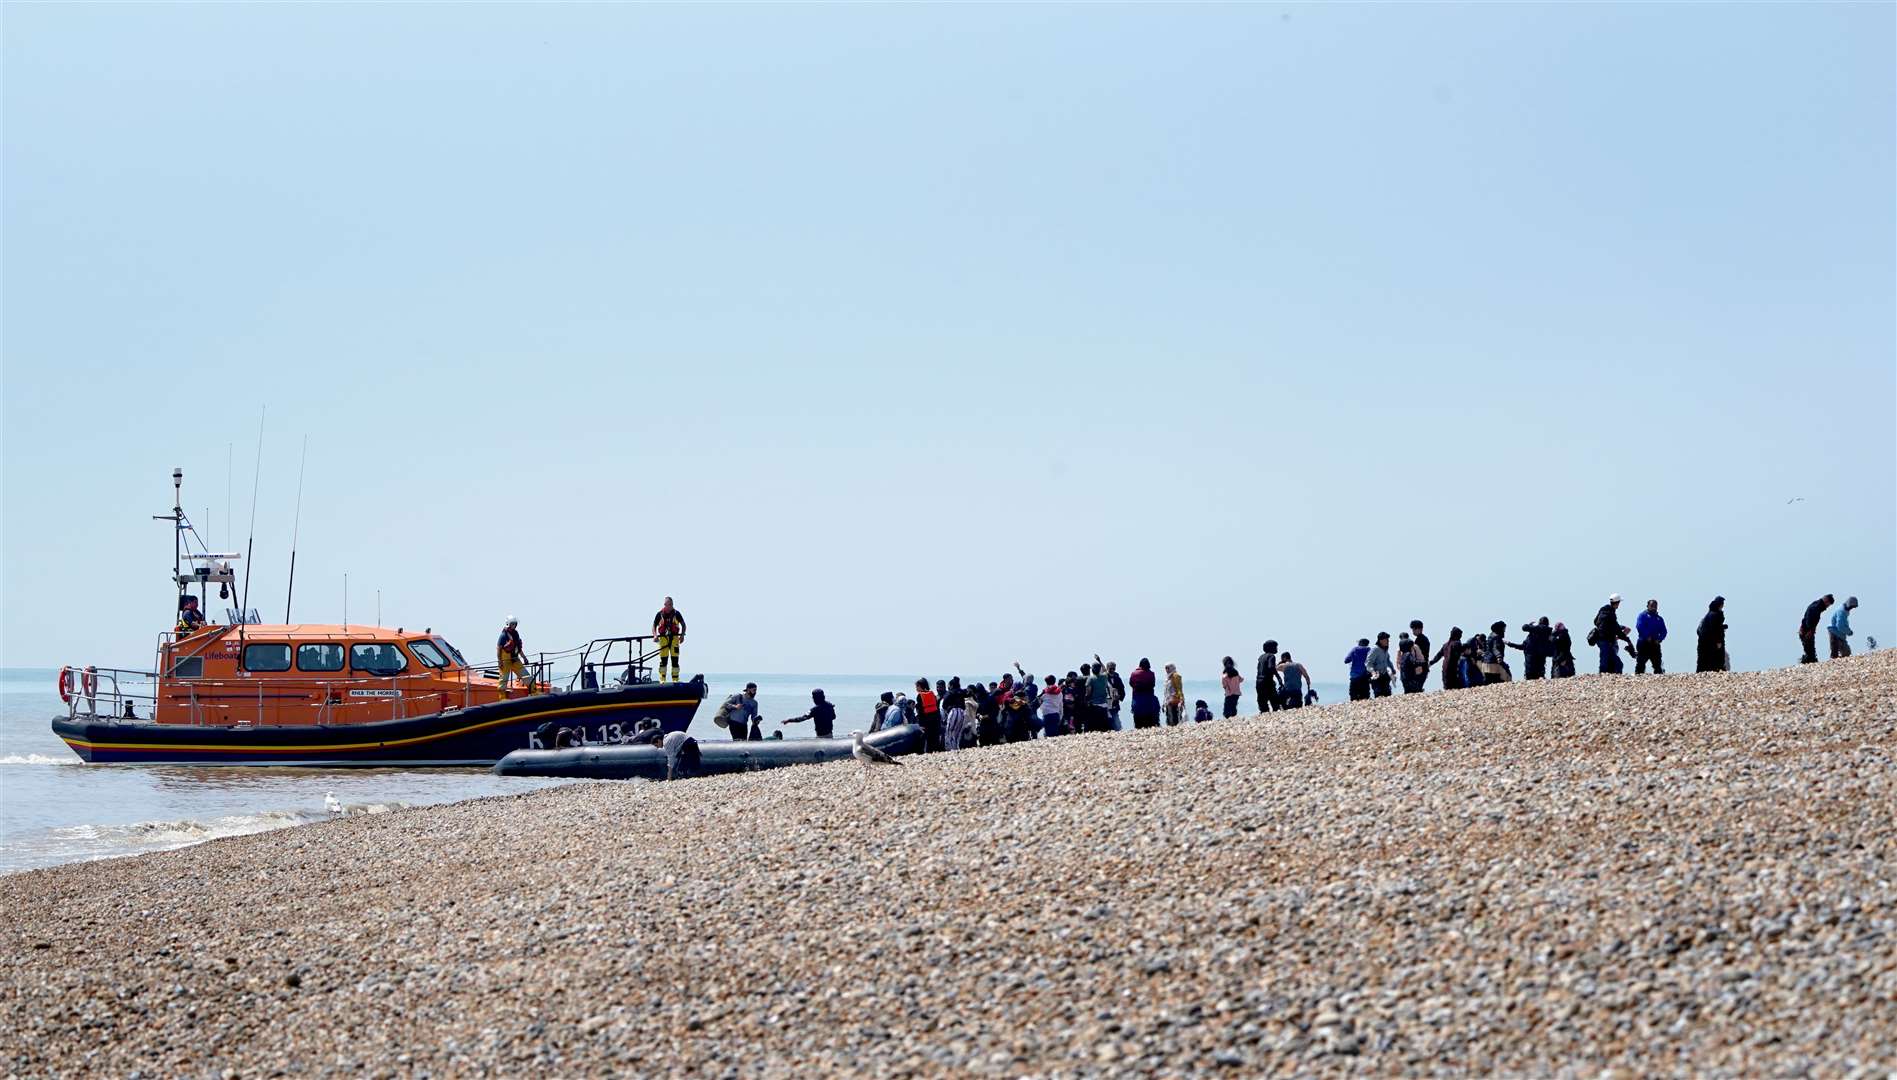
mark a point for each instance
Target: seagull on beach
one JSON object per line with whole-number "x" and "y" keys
{"x": 867, "y": 754}
{"x": 330, "y": 804}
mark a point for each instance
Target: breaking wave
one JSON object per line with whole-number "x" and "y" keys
{"x": 34, "y": 759}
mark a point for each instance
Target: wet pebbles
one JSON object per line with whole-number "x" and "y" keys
{"x": 1682, "y": 875}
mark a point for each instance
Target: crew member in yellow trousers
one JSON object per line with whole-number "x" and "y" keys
{"x": 669, "y": 627}
{"x": 509, "y": 652}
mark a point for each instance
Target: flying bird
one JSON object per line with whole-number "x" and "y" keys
{"x": 1793, "y": 499}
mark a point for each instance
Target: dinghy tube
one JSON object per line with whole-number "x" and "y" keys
{"x": 605, "y": 762}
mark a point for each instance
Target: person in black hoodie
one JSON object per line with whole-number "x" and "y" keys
{"x": 822, "y": 715}
{"x": 1537, "y": 646}
{"x": 1808, "y": 627}
{"x": 1561, "y": 644}
{"x": 1608, "y": 634}
{"x": 1451, "y": 656}
{"x": 1712, "y": 638}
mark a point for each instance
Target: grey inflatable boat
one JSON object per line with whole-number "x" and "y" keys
{"x": 645, "y": 762}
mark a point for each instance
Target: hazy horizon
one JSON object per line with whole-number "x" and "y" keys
{"x": 932, "y": 338}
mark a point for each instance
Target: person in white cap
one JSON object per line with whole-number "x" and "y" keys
{"x": 511, "y": 657}
{"x": 1608, "y": 635}
{"x": 1840, "y": 628}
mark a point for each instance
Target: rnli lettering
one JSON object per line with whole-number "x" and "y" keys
{"x": 375, "y": 693}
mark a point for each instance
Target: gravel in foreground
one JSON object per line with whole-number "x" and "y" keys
{"x": 1686, "y": 875}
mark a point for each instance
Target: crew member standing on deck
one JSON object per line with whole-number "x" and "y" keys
{"x": 669, "y": 627}
{"x": 509, "y": 652}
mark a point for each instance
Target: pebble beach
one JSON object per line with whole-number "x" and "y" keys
{"x": 1682, "y": 875}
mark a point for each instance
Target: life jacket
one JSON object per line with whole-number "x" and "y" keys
{"x": 667, "y": 623}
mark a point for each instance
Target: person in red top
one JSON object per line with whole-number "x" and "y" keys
{"x": 929, "y": 715}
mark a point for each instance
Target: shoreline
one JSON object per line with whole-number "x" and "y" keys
{"x": 1682, "y": 873}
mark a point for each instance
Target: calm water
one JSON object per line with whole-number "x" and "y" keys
{"x": 54, "y": 808}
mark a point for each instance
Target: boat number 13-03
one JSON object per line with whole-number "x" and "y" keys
{"x": 603, "y": 735}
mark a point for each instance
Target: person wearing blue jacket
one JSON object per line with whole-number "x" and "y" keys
{"x": 1359, "y": 661}
{"x": 1652, "y": 630}
{"x": 1841, "y": 628}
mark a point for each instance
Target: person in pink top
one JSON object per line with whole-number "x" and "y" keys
{"x": 1234, "y": 685}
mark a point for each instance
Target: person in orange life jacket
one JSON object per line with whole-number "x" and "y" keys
{"x": 668, "y": 626}
{"x": 929, "y": 715}
{"x": 510, "y": 655}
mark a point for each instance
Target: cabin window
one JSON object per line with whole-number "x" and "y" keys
{"x": 377, "y": 658}
{"x": 426, "y": 652}
{"x": 191, "y": 667}
{"x": 266, "y": 658}
{"x": 320, "y": 657}
{"x": 451, "y": 651}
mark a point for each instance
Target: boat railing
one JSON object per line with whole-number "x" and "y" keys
{"x": 612, "y": 661}
{"x": 250, "y": 701}
{"x": 117, "y": 688}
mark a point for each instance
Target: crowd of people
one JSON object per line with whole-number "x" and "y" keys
{"x": 957, "y": 713}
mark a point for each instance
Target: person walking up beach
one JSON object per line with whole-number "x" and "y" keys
{"x": 1379, "y": 666}
{"x": 1840, "y": 629}
{"x": 1561, "y": 660}
{"x": 1116, "y": 691}
{"x": 1233, "y": 684}
{"x": 1145, "y": 700}
{"x": 1422, "y": 646}
{"x": 1608, "y": 634}
{"x": 1267, "y": 683}
{"x": 1175, "y": 697}
{"x": 1412, "y": 664}
{"x": 1712, "y": 637}
{"x": 1296, "y": 679}
{"x": 1359, "y": 659}
{"x": 1099, "y": 698}
{"x": 1051, "y": 704}
{"x": 1652, "y": 630}
{"x": 1451, "y": 657}
{"x": 1808, "y": 627}
{"x": 1537, "y": 646}
{"x": 955, "y": 734}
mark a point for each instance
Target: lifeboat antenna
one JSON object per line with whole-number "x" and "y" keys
{"x": 296, "y": 528}
{"x": 176, "y": 517}
{"x": 250, "y": 544}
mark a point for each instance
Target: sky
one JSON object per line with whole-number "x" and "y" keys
{"x": 927, "y": 338}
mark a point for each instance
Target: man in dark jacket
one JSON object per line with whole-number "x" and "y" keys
{"x": 1608, "y": 634}
{"x": 1808, "y": 627}
{"x": 1537, "y": 646}
{"x": 1712, "y": 637}
{"x": 1268, "y": 678}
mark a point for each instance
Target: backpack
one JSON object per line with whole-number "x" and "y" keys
{"x": 1594, "y": 636}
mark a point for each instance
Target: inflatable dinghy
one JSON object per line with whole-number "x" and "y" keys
{"x": 645, "y": 762}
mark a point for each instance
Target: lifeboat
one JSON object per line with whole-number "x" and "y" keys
{"x": 249, "y": 693}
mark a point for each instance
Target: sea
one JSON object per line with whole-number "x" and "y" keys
{"x": 55, "y": 808}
